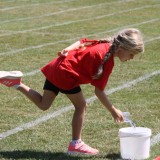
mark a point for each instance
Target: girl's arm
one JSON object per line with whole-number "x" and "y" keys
{"x": 116, "y": 113}
{"x": 64, "y": 52}
{"x": 73, "y": 46}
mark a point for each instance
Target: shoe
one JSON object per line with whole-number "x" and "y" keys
{"x": 157, "y": 158}
{"x": 10, "y": 78}
{"x": 81, "y": 148}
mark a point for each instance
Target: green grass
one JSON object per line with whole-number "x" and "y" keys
{"x": 49, "y": 140}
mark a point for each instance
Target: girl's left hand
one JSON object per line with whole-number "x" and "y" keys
{"x": 63, "y": 53}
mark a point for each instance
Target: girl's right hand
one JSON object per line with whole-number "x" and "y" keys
{"x": 117, "y": 115}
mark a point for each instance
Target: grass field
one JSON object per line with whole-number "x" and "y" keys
{"x": 31, "y": 34}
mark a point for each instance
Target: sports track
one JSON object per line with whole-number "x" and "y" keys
{"x": 155, "y": 139}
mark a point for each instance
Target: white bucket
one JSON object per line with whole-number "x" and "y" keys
{"x": 135, "y": 143}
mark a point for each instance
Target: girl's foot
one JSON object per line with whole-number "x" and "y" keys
{"x": 10, "y": 78}
{"x": 81, "y": 148}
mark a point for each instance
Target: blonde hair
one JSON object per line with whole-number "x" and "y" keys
{"x": 129, "y": 39}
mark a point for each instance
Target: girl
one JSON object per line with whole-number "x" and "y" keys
{"x": 86, "y": 61}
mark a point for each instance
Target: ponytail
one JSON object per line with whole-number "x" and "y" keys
{"x": 114, "y": 46}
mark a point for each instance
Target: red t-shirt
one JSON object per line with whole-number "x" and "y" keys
{"x": 79, "y": 66}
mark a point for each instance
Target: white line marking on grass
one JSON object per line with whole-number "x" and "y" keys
{"x": 76, "y": 21}
{"x": 35, "y": 122}
{"x": 32, "y": 73}
{"x": 67, "y": 40}
{"x": 70, "y": 107}
{"x": 32, "y": 5}
{"x": 63, "y": 11}
{"x": 9, "y": 1}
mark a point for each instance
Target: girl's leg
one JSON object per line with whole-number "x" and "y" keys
{"x": 13, "y": 79}
{"x": 42, "y": 101}
{"x": 77, "y": 145}
{"x": 78, "y": 117}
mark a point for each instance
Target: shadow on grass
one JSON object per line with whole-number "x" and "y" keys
{"x": 40, "y": 155}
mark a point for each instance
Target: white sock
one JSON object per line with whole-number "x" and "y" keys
{"x": 74, "y": 142}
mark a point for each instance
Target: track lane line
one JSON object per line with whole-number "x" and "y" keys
{"x": 63, "y": 11}
{"x": 32, "y": 5}
{"x": 77, "y": 21}
{"x": 12, "y": 52}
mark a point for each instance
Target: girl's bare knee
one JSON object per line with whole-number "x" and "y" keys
{"x": 81, "y": 108}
